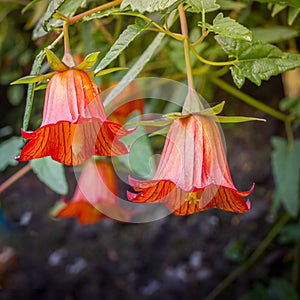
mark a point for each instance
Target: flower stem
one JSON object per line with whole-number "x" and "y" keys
{"x": 94, "y": 10}
{"x": 248, "y": 99}
{"x": 67, "y": 59}
{"x": 184, "y": 31}
{"x": 252, "y": 259}
{"x": 14, "y": 177}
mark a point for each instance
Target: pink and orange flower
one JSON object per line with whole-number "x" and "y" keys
{"x": 193, "y": 173}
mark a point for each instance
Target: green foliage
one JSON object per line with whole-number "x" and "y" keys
{"x": 256, "y": 61}
{"x": 202, "y": 5}
{"x": 8, "y": 150}
{"x": 51, "y": 173}
{"x": 148, "y": 5}
{"x": 125, "y": 38}
{"x": 286, "y": 172}
{"x": 228, "y": 27}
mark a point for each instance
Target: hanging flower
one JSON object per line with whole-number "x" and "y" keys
{"x": 192, "y": 173}
{"x": 95, "y": 197}
{"x": 74, "y": 126}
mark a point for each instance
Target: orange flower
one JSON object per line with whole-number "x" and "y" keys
{"x": 74, "y": 126}
{"x": 193, "y": 173}
{"x": 95, "y": 197}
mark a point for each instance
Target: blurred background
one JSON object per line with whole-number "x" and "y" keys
{"x": 172, "y": 258}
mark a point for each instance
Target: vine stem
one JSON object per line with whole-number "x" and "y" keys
{"x": 248, "y": 99}
{"x": 11, "y": 180}
{"x": 94, "y": 10}
{"x": 252, "y": 259}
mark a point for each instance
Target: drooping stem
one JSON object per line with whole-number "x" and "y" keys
{"x": 185, "y": 34}
{"x": 14, "y": 178}
{"x": 252, "y": 259}
{"x": 94, "y": 10}
{"x": 248, "y": 99}
{"x": 67, "y": 59}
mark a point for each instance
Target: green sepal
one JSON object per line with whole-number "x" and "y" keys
{"x": 54, "y": 62}
{"x": 111, "y": 70}
{"x": 162, "y": 131}
{"x": 212, "y": 111}
{"x": 41, "y": 87}
{"x": 176, "y": 115}
{"x": 88, "y": 61}
{"x": 33, "y": 78}
{"x": 237, "y": 119}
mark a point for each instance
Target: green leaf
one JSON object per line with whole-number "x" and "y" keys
{"x": 29, "y": 5}
{"x": 110, "y": 70}
{"x": 163, "y": 131}
{"x": 290, "y": 233}
{"x": 256, "y": 61}
{"x": 286, "y": 168}
{"x": 36, "y": 67}
{"x": 294, "y": 3}
{"x": 202, "y": 5}
{"x": 66, "y": 7}
{"x": 293, "y": 14}
{"x": 54, "y": 62}
{"x": 125, "y": 38}
{"x": 231, "y": 5}
{"x": 8, "y": 150}
{"x": 88, "y": 62}
{"x": 230, "y": 28}
{"x": 139, "y": 160}
{"x": 258, "y": 292}
{"x": 280, "y": 289}
{"x": 135, "y": 69}
{"x": 33, "y": 78}
{"x": 149, "y": 6}
{"x": 102, "y": 14}
{"x": 51, "y": 173}
{"x": 274, "y": 34}
{"x": 237, "y": 119}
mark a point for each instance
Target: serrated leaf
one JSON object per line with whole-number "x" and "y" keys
{"x": 66, "y": 7}
{"x": 230, "y": 28}
{"x": 149, "y": 6}
{"x": 110, "y": 70}
{"x": 198, "y": 6}
{"x": 286, "y": 171}
{"x": 139, "y": 160}
{"x": 32, "y": 78}
{"x": 88, "y": 62}
{"x": 51, "y": 173}
{"x": 8, "y": 150}
{"x": 274, "y": 34}
{"x": 36, "y": 67}
{"x": 125, "y": 38}
{"x": 256, "y": 61}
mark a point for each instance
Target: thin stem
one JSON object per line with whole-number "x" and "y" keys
{"x": 248, "y": 99}
{"x": 67, "y": 59}
{"x": 212, "y": 63}
{"x": 14, "y": 178}
{"x": 184, "y": 31}
{"x": 289, "y": 130}
{"x": 94, "y": 10}
{"x": 252, "y": 259}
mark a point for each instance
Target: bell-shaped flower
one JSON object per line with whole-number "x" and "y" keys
{"x": 74, "y": 126}
{"x": 193, "y": 173}
{"x": 95, "y": 197}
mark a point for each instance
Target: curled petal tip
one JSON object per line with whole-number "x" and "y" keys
{"x": 131, "y": 195}
{"x": 248, "y": 203}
